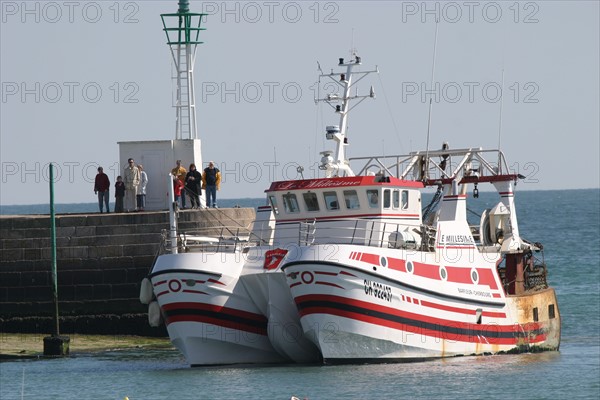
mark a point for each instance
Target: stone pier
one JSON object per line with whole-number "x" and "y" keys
{"x": 101, "y": 260}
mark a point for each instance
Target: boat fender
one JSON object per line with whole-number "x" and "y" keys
{"x": 154, "y": 315}
{"x": 146, "y": 293}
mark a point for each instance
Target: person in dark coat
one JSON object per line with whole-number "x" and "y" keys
{"x": 119, "y": 194}
{"x": 102, "y": 189}
{"x": 211, "y": 182}
{"x": 193, "y": 181}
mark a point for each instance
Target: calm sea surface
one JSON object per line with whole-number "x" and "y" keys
{"x": 566, "y": 222}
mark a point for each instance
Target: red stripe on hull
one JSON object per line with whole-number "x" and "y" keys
{"x": 328, "y": 284}
{"x": 326, "y": 273}
{"x": 487, "y": 277}
{"x": 459, "y": 275}
{"x": 217, "y": 322}
{"x": 397, "y": 264}
{"x": 462, "y": 310}
{"x": 215, "y": 308}
{"x": 427, "y": 270}
{"x": 442, "y": 323}
{"x": 370, "y": 258}
{"x": 193, "y": 291}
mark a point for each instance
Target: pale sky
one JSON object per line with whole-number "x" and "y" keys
{"x": 78, "y": 77}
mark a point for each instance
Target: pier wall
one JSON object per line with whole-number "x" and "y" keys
{"x": 101, "y": 261}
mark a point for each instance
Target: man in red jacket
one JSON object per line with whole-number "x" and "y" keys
{"x": 102, "y": 188}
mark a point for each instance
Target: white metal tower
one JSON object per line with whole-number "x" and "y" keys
{"x": 183, "y": 30}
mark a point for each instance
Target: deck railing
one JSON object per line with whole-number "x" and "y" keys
{"x": 428, "y": 166}
{"x": 355, "y": 231}
{"x": 217, "y": 239}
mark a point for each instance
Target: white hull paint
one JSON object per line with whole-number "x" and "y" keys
{"x": 208, "y": 313}
{"x": 358, "y": 311}
{"x": 270, "y": 293}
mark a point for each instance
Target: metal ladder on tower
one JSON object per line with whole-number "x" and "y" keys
{"x": 183, "y": 95}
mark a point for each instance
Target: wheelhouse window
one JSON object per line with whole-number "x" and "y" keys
{"x": 290, "y": 203}
{"x": 351, "y": 199}
{"x": 404, "y": 199}
{"x": 331, "y": 201}
{"x": 273, "y": 201}
{"x": 396, "y": 199}
{"x": 373, "y": 196}
{"x": 311, "y": 202}
{"x": 387, "y": 200}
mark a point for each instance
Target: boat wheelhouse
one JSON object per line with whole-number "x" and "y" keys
{"x": 358, "y": 209}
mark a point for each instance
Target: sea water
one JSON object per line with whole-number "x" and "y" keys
{"x": 566, "y": 222}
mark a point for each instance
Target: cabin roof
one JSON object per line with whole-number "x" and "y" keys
{"x": 342, "y": 182}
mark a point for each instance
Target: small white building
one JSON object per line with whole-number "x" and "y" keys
{"x": 158, "y": 158}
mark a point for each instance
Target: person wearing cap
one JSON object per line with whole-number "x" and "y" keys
{"x": 131, "y": 178}
{"x": 211, "y": 182}
{"x": 179, "y": 172}
{"x": 102, "y": 189}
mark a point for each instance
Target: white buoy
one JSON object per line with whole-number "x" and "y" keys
{"x": 154, "y": 315}
{"x": 146, "y": 293}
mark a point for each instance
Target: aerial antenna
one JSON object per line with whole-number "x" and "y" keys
{"x": 274, "y": 163}
{"x": 500, "y": 122}
{"x": 430, "y": 104}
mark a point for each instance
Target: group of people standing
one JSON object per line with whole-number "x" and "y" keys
{"x": 190, "y": 183}
{"x": 130, "y": 189}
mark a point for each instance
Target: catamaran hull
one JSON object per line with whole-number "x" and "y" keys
{"x": 208, "y": 313}
{"x": 270, "y": 293}
{"x": 355, "y": 315}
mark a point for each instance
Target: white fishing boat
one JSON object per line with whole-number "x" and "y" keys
{"x": 378, "y": 278}
{"x": 352, "y": 268}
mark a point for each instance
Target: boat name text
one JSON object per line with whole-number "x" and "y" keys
{"x": 378, "y": 290}
{"x": 456, "y": 239}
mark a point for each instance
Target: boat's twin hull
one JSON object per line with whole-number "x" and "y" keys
{"x": 208, "y": 313}
{"x": 270, "y": 293}
{"x": 337, "y": 312}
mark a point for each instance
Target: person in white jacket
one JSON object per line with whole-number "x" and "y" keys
{"x": 131, "y": 178}
{"x": 141, "y": 194}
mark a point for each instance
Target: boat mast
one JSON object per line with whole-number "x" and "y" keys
{"x": 183, "y": 30}
{"x": 339, "y": 165}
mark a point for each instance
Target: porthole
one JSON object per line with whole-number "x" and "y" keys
{"x": 383, "y": 261}
{"x": 443, "y": 273}
{"x": 409, "y": 267}
{"x": 190, "y": 282}
{"x": 474, "y": 276}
